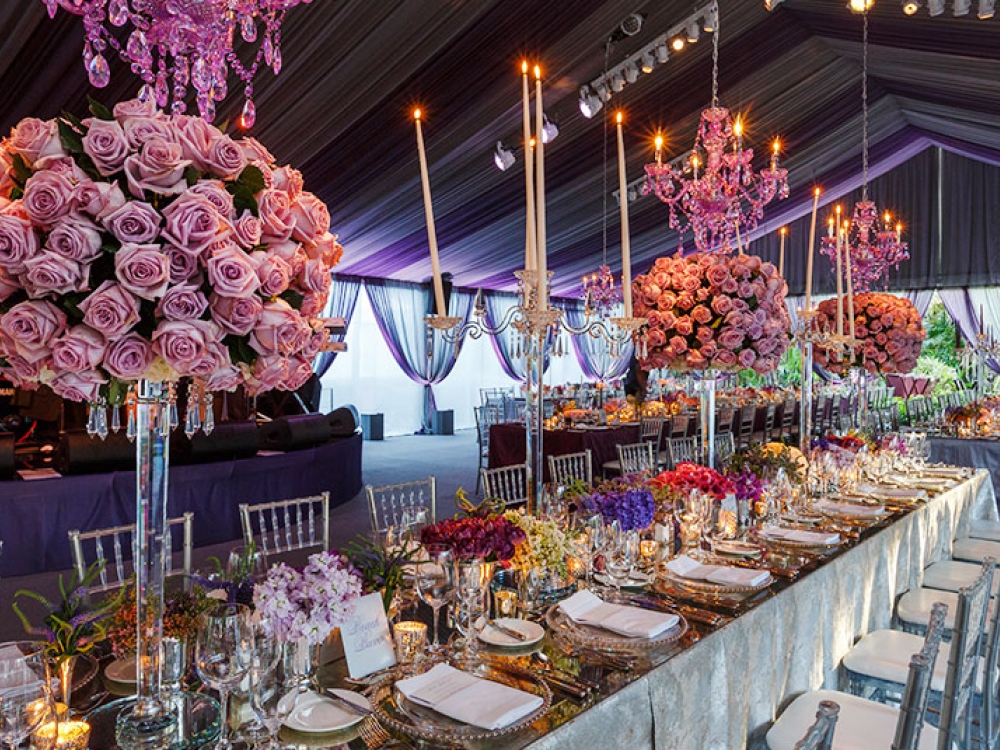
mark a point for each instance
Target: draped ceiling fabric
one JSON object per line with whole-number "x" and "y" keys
{"x": 353, "y": 69}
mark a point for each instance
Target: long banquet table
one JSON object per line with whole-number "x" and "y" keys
{"x": 507, "y": 443}
{"x": 724, "y": 691}
{"x": 975, "y": 453}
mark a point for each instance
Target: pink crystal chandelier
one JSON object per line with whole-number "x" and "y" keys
{"x": 872, "y": 247}
{"x": 723, "y": 194}
{"x": 599, "y": 291}
{"x": 174, "y": 44}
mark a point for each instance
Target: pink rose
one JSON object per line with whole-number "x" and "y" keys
{"x": 78, "y": 386}
{"x": 182, "y": 302}
{"x": 81, "y": 348}
{"x": 183, "y": 267}
{"x": 268, "y": 373}
{"x": 47, "y": 198}
{"x": 136, "y": 222}
{"x": 730, "y": 286}
{"x": 224, "y": 158}
{"x": 34, "y": 139}
{"x": 280, "y": 330}
{"x": 702, "y": 293}
{"x": 655, "y": 337}
{"x": 7, "y": 286}
{"x": 702, "y": 314}
{"x": 755, "y": 331}
{"x": 216, "y": 358}
{"x": 78, "y": 240}
{"x": 299, "y": 371}
{"x": 128, "y": 357}
{"x": 666, "y": 301}
{"x": 194, "y": 223}
{"x": 292, "y": 253}
{"x": 725, "y": 358}
{"x": 255, "y": 151}
{"x": 32, "y": 327}
{"x": 310, "y": 217}
{"x": 133, "y": 108}
{"x": 709, "y": 349}
{"x": 685, "y": 300}
{"x": 731, "y": 338}
{"x": 110, "y": 309}
{"x": 196, "y": 136}
{"x": 236, "y": 315}
{"x": 232, "y": 273}
{"x": 23, "y": 373}
{"x": 277, "y": 219}
{"x": 18, "y": 242}
{"x": 717, "y": 274}
{"x": 225, "y": 379}
{"x": 97, "y": 199}
{"x": 722, "y": 304}
{"x": 215, "y": 191}
{"x": 313, "y": 304}
{"x": 274, "y": 274}
{"x": 705, "y": 334}
{"x": 690, "y": 283}
{"x": 766, "y": 346}
{"x": 324, "y": 248}
{"x": 143, "y": 270}
{"x": 184, "y": 344}
{"x": 683, "y": 325}
{"x": 247, "y": 229}
{"x": 106, "y": 145}
{"x": 140, "y": 130}
{"x": 158, "y": 167}
{"x": 315, "y": 277}
{"x": 678, "y": 344}
{"x": 49, "y": 273}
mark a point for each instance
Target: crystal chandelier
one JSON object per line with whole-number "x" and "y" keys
{"x": 722, "y": 193}
{"x": 599, "y": 291}
{"x": 871, "y": 247}
{"x": 174, "y": 44}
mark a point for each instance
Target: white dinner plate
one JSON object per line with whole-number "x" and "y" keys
{"x": 532, "y": 631}
{"x": 122, "y": 670}
{"x": 317, "y": 713}
{"x": 635, "y": 580}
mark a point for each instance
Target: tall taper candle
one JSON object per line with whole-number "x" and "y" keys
{"x": 425, "y": 181}
{"x": 850, "y": 292}
{"x": 811, "y": 250}
{"x": 840, "y": 286}
{"x": 542, "y": 264}
{"x": 781, "y": 252}
{"x": 530, "y": 252}
{"x": 623, "y": 206}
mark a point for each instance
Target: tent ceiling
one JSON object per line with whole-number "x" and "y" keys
{"x": 354, "y": 69}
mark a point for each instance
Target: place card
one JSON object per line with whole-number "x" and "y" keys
{"x": 367, "y": 640}
{"x": 31, "y": 474}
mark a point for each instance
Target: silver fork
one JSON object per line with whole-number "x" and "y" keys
{"x": 373, "y": 733}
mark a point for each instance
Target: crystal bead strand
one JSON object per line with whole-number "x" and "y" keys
{"x": 209, "y": 423}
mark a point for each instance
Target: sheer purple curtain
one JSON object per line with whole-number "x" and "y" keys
{"x": 343, "y": 298}
{"x": 964, "y": 305}
{"x": 504, "y": 344}
{"x": 921, "y": 299}
{"x": 399, "y": 309}
{"x": 594, "y": 353}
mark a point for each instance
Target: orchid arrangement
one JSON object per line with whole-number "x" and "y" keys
{"x": 764, "y": 461}
{"x": 713, "y": 311}
{"x": 487, "y": 538}
{"x": 890, "y": 329}
{"x": 545, "y": 547}
{"x": 307, "y": 604}
{"x": 630, "y": 504}
{"x": 136, "y": 244}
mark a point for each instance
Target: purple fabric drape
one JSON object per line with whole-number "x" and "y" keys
{"x": 962, "y": 309}
{"x": 921, "y": 299}
{"x": 504, "y": 344}
{"x": 343, "y": 298}
{"x": 399, "y": 309}
{"x": 594, "y": 353}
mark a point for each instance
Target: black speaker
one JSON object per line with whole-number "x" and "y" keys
{"x": 228, "y": 441}
{"x": 294, "y": 432}
{"x": 81, "y": 454}
{"x": 6, "y": 455}
{"x": 343, "y": 421}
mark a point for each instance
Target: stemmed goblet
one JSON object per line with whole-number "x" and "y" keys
{"x": 224, "y": 655}
{"x": 436, "y": 585}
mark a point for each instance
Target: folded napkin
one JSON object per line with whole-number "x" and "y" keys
{"x": 800, "y": 536}
{"x": 895, "y": 493}
{"x": 587, "y": 608}
{"x": 951, "y": 472}
{"x": 849, "y": 509}
{"x": 469, "y": 699}
{"x": 723, "y": 575}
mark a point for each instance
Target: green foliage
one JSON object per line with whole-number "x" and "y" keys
{"x": 946, "y": 377}
{"x": 240, "y": 350}
{"x": 98, "y": 110}
{"x": 490, "y": 506}
{"x": 381, "y": 566}
{"x": 245, "y": 188}
{"x": 940, "y": 341}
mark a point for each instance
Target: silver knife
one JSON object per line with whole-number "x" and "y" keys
{"x": 506, "y": 631}
{"x": 341, "y": 701}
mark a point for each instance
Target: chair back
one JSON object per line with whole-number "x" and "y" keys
{"x": 918, "y": 684}
{"x": 507, "y": 483}
{"x": 725, "y": 446}
{"x": 572, "y": 466}
{"x": 486, "y": 417}
{"x": 747, "y": 416}
{"x": 681, "y": 449}
{"x": 679, "y": 426}
{"x": 651, "y": 430}
{"x": 770, "y": 415}
{"x": 636, "y": 458}
{"x": 287, "y": 525}
{"x": 724, "y": 420}
{"x": 121, "y": 541}
{"x": 402, "y": 505}
{"x": 820, "y": 734}
{"x": 955, "y": 729}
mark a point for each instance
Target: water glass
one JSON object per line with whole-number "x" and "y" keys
{"x": 274, "y": 691}
{"x": 27, "y": 698}
{"x": 224, "y": 655}
{"x": 436, "y": 586}
{"x": 246, "y": 562}
{"x": 623, "y": 558}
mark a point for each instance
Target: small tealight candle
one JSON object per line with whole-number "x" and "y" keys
{"x": 411, "y": 636}
{"x": 506, "y": 602}
{"x": 63, "y": 735}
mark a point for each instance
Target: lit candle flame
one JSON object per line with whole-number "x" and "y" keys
{"x": 899, "y": 228}
{"x": 783, "y": 231}
{"x": 524, "y": 67}
{"x": 694, "y": 161}
{"x": 738, "y": 127}
{"x": 619, "y": 116}
{"x": 816, "y": 192}
{"x": 538, "y": 72}
{"x": 776, "y": 146}
{"x": 416, "y": 114}
{"x": 658, "y": 142}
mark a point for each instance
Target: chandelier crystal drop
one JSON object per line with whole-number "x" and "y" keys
{"x": 173, "y": 45}
{"x": 716, "y": 192}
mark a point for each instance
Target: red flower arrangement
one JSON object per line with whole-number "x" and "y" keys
{"x": 475, "y": 537}
{"x": 689, "y": 476}
{"x": 889, "y": 328}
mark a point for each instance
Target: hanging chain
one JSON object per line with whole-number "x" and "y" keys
{"x": 864, "y": 110}
{"x": 604, "y": 171}
{"x": 715, "y": 62}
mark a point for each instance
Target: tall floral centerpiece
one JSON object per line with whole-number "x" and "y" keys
{"x": 137, "y": 248}
{"x": 710, "y": 313}
{"x": 889, "y": 329}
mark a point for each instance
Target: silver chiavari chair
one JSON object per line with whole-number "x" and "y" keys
{"x": 486, "y": 416}
{"x": 402, "y": 505}
{"x": 820, "y": 734}
{"x": 121, "y": 541}
{"x": 680, "y": 450}
{"x": 507, "y": 483}
{"x": 572, "y": 466}
{"x": 637, "y": 458}
{"x": 288, "y": 525}
{"x": 725, "y": 447}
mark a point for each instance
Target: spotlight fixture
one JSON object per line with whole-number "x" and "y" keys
{"x": 911, "y": 6}
{"x": 590, "y": 103}
{"x": 632, "y": 24}
{"x": 710, "y": 20}
{"x": 648, "y": 62}
{"x": 677, "y": 43}
{"x": 772, "y": 4}
{"x": 631, "y": 72}
{"x": 503, "y": 157}
{"x": 935, "y": 7}
{"x": 962, "y": 7}
{"x": 662, "y": 52}
{"x": 549, "y": 129}
{"x": 693, "y": 32}
{"x": 860, "y": 6}
{"x": 617, "y": 82}
{"x": 602, "y": 91}
{"x": 987, "y": 8}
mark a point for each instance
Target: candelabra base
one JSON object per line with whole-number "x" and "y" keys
{"x": 442, "y": 322}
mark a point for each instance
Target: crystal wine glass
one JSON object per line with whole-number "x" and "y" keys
{"x": 25, "y": 703}
{"x": 471, "y": 587}
{"x": 436, "y": 585}
{"x": 224, "y": 655}
{"x": 274, "y": 690}
{"x": 623, "y": 558}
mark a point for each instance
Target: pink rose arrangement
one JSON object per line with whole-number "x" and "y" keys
{"x": 136, "y": 244}
{"x": 889, "y": 327}
{"x": 713, "y": 311}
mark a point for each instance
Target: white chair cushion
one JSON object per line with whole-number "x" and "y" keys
{"x": 861, "y": 725}
{"x": 981, "y": 529}
{"x": 975, "y": 550}
{"x": 952, "y": 575}
{"x": 914, "y": 606}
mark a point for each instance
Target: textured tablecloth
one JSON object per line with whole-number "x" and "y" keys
{"x": 723, "y": 692}
{"x": 507, "y": 444}
{"x": 979, "y": 454}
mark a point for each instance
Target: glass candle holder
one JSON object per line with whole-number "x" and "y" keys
{"x": 505, "y": 602}
{"x": 410, "y": 637}
{"x": 62, "y": 735}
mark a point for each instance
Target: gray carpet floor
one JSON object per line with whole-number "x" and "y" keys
{"x": 451, "y": 459}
